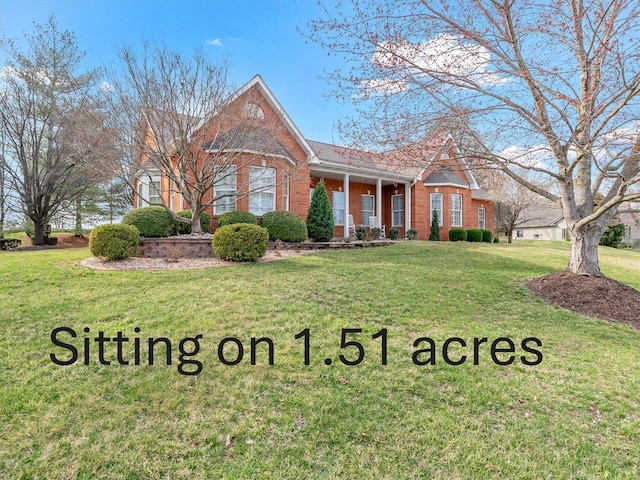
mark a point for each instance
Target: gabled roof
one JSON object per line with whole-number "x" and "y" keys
{"x": 540, "y": 216}
{"x": 258, "y": 82}
{"x": 251, "y": 139}
{"x": 445, "y": 176}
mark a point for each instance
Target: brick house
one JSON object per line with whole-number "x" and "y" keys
{"x": 278, "y": 169}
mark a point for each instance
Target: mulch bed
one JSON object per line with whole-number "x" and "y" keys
{"x": 598, "y": 297}
{"x": 65, "y": 240}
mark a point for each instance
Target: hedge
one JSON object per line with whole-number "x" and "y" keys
{"x": 457, "y": 235}
{"x": 114, "y": 241}
{"x": 285, "y": 226}
{"x": 474, "y": 235}
{"x": 238, "y": 216}
{"x": 151, "y": 221}
{"x": 240, "y": 242}
{"x": 394, "y": 233}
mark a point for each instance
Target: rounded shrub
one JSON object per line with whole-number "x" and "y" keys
{"x": 474, "y": 235}
{"x": 285, "y": 226}
{"x": 150, "y": 221}
{"x": 457, "y": 235}
{"x": 231, "y": 218}
{"x": 487, "y": 236}
{"x": 181, "y": 228}
{"x": 240, "y": 242}
{"x": 496, "y": 240}
{"x": 412, "y": 234}
{"x": 394, "y": 233}
{"x": 114, "y": 241}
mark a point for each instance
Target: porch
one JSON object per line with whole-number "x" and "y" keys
{"x": 376, "y": 200}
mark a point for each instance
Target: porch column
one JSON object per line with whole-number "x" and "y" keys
{"x": 346, "y": 205}
{"x": 379, "y": 202}
{"x": 407, "y": 207}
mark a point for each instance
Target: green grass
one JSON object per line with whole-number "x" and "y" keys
{"x": 574, "y": 416}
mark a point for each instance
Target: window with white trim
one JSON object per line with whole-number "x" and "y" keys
{"x": 286, "y": 192}
{"x": 225, "y": 187}
{"x": 149, "y": 191}
{"x": 397, "y": 210}
{"x": 311, "y": 191}
{"x": 368, "y": 208}
{"x": 338, "y": 204}
{"x": 262, "y": 190}
{"x": 519, "y": 233}
{"x": 140, "y": 194}
{"x": 435, "y": 202}
{"x": 481, "y": 218}
{"x": 456, "y": 210}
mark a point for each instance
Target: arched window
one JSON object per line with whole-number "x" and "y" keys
{"x": 252, "y": 110}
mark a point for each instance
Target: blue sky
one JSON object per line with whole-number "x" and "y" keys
{"x": 256, "y": 36}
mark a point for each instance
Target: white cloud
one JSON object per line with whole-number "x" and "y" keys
{"x": 535, "y": 156}
{"x": 382, "y": 86}
{"x": 106, "y": 87}
{"x": 216, "y": 42}
{"x": 444, "y": 55}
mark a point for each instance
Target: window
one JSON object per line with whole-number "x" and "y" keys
{"x": 262, "y": 186}
{"x": 225, "y": 190}
{"x": 456, "y": 210}
{"x": 251, "y": 110}
{"x": 140, "y": 194}
{"x": 396, "y": 210}
{"x": 338, "y": 208}
{"x": 154, "y": 192}
{"x": 564, "y": 234}
{"x": 149, "y": 191}
{"x": 481, "y": 222}
{"x": 519, "y": 233}
{"x": 311, "y": 190}
{"x": 368, "y": 209}
{"x": 436, "y": 206}
{"x": 286, "y": 192}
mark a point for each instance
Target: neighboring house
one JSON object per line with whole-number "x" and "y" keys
{"x": 541, "y": 223}
{"x": 631, "y": 228}
{"x": 399, "y": 188}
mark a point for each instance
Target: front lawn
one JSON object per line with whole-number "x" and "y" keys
{"x": 574, "y": 415}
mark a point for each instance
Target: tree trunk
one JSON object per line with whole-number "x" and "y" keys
{"x": 195, "y": 223}
{"x": 584, "y": 252}
{"x": 38, "y": 233}
{"x": 78, "y": 229}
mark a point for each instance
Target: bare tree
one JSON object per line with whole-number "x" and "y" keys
{"x": 177, "y": 118}
{"x": 45, "y": 132}
{"x": 557, "y": 80}
{"x": 511, "y": 198}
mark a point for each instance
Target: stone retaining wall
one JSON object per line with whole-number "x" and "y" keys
{"x": 175, "y": 247}
{"x": 194, "y": 247}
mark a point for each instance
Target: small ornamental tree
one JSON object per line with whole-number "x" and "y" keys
{"x": 434, "y": 235}
{"x": 320, "y": 216}
{"x": 612, "y": 236}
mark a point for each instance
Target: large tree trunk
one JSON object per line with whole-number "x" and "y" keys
{"x": 584, "y": 251}
{"x": 195, "y": 224}
{"x": 38, "y": 233}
